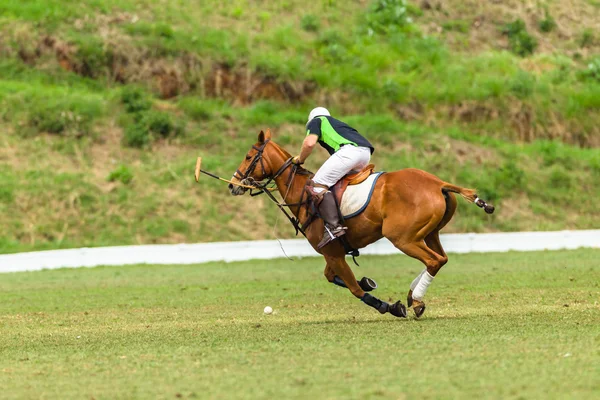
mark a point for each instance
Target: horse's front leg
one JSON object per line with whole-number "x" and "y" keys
{"x": 366, "y": 284}
{"x": 338, "y": 267}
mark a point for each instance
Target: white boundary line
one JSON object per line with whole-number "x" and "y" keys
{"x": 267, "y": 249}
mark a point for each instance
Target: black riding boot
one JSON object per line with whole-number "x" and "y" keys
{"x": 333, "y": 226}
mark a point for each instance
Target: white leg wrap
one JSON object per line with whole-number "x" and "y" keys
{"x": 422, "y": 286}
{"x": 413, "y": 285}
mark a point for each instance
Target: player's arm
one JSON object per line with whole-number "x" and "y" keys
{"x": 312, "y": 137}
{"x": 307, "y": 147}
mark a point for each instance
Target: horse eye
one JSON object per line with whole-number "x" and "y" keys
{"x": 248, "y": 157}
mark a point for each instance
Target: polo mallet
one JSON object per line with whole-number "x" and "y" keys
{"x": 199, "y": 169}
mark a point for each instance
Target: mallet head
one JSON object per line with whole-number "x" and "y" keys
{"x": 198, "y": 165}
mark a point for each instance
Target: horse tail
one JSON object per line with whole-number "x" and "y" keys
{"x": 470, "y": 195}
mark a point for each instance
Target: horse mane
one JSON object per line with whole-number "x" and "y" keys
{"x": 301, "y": 170}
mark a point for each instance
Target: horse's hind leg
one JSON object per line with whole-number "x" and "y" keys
{"x": 433, "y": 242}
{"x": 433, "y": 262}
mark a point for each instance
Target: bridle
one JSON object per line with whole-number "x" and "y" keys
{"x": 263, "y": 187}
{"x": 257, "y": 158}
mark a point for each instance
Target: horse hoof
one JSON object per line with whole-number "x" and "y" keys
{"x": 398, "y": 310}
{"x": 367, "y": 284}
{"x": 409, "y": 299}
{"x": 419, "y": 310}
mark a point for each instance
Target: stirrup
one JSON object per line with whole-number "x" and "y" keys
{"x": 330, "y": 235}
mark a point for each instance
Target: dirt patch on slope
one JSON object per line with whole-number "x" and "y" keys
{"x": 244, "y": 86}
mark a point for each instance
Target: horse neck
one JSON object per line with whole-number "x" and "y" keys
{"x": 290, "y": 194}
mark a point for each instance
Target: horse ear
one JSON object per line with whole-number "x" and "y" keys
{"x": 264, "y": 136}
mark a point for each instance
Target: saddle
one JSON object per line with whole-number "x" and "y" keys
{"x": 351, "y": 179}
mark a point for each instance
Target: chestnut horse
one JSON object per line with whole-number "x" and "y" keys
{"x": 408, "y": 207}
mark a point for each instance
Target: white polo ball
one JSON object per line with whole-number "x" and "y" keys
{"x": 268, "y": 310}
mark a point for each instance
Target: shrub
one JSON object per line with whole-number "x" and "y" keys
{"x": 147, "y": 125}
{"x": 548, "y": 23}
{"x": 164, "y": 30}
{"x": 59, "y": 118}
{"x": 309, "y": 23}
{"x": 551, "y": 153}
{"x": 457, "y": 26}
{"x": 520, "y": 41}
{"x": 559, "y": 178}
{"x": 6, "y": 194}
{"x": 135, "y": 100}
{"x": 197, "y": 110}
{"x": 595, "y": 166}
{"x": 158, "y": 122}
{"x": 523, "y": 84}
{"x": 391, "y": 89}
{"x": 592, "y": 72}
{"x": 510, "y": 176}
{"x": 388, "y": 16}
{"x": 136, "y": 135}
{"x": 587, "y": 38}
{"x": 93, "y": 57}
{"x": 122, "y": 174}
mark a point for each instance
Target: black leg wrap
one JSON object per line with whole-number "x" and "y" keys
{"x": 374, "y": 302}
{"x": 338, "y": 281}
{"x": 367, "y": 284}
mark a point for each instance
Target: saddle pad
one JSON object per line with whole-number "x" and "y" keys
{"x": 357, "y": 197}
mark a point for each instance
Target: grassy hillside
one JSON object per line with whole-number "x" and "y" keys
{"x": 104, "y": 106}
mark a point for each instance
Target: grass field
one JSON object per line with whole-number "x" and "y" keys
{"x": 510, "y": 325}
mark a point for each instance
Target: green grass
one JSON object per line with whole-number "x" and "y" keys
{"x": 511, "y": 325}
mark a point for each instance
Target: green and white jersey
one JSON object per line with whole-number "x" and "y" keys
{"x": 334, "y": 134}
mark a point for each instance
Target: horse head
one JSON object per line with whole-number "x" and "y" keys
{"x": 255, "y": 167}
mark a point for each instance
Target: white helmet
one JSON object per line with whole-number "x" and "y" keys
{"x": 317, "y": 112}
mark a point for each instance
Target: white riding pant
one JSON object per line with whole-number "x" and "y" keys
{"x": 346, "y": 159}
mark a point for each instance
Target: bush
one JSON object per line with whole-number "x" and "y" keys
{"x": 6, "y": 194}
{"x": 93, "y": 57}
{"x": 158, "y": 122}
{"x": 135, "y": 100}
{"x": 147, "y": 125}
{"x": 559, "y": 178}
{"x": 523, "y": 84}
{"x": 510, "y": 176}
{"x": 520, "y": 41}
{"x": 136, "y": 135}
{"x": 122, "y": 174}
{"x": 388, "y": 16}
{"x": 587, "y": 38}
{"x": 548, "y": 23}
{"x": 457, "y": 26}
{"x": 592, "y": 72}
{"x": 197, "y": 110}
{"x": 595, "y": 166}
{"x": 391, "y": 89}
{"x": 59, "y": 119}
{"x": 164, "y": 30}
{"x": 309, "y": 23}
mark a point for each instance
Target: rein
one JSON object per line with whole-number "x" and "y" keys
{"x": 263, "y": 187}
